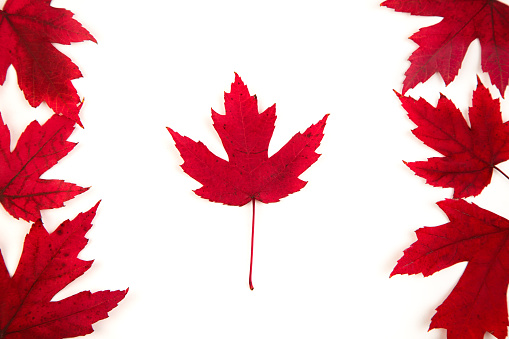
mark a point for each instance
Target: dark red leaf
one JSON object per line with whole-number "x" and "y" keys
{"x": 49, "y": 263}
{"x": 28, "y": 30}
{"x": 470, "y": 153}
{"x": 22, "y": 193}
{"x": 478, "y": 303}
{"x": 442, "y": 47}
{"x": 249, "y": 173}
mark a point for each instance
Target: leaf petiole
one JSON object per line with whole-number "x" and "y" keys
{"x": 501, "y": 172}
{"x": 252, "y": 242}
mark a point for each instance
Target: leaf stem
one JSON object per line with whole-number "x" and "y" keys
{"x": 252, "y": 242}
{"x": 498, "y": 169}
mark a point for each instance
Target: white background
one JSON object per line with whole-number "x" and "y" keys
{"x": 323, "y": 255}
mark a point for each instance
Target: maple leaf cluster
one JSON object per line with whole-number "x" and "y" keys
{"x": 249, "y": 174}
{"x": 48, "y": 263}
{"x": 478, "y": 303}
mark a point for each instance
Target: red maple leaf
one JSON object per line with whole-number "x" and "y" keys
{"x": 249, "y": 174}
{"x": 22, "y": 193}
{"x": 478, "y": 303}
{"x": 28, "y": 28}
{"x": 471, "y": 153}
{"x": 442, "y": 47}
{"x": 49, "y": 263}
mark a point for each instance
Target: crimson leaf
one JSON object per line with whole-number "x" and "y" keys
{"x": 49, "y": 263}
{"x": 28, "y": 30}
{"x": 22, "y": 192}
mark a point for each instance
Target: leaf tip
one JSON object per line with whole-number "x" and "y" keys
{"x": 238, "y": 78}
{"x": 323, "y": 121}
{"x": 172, "y": 132}
{"x": 96, "y": 206}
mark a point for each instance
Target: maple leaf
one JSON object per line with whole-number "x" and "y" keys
{"x": 22, "y": 193}
{"x": 442, "y": 47}
{"x": 471, "y": 153}
{"x": 249, "y": 174}
{"x": 478, "y": 303}
{"x": 48, "y": 263}
{"x": 28, "y": 28}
